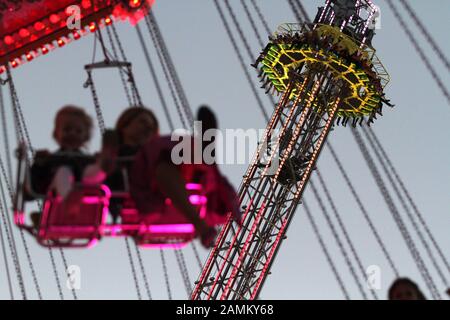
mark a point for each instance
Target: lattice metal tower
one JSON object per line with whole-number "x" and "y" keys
{"x": 325, "y": 73}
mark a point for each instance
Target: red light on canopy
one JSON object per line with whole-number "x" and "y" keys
{"x": 8, "y": 40}
{"x": 2, "y": 69}
{"x": 14, "y": 63}
{"x": 38, "y": 26}
{"x": 30, "y": 56}
{"x": 42, "y": 25}
{"x": 24, "y": 33}
{"x": 86, "y": 4}
{"x": 135, "y": 3}
{"x": 54, "y": 18}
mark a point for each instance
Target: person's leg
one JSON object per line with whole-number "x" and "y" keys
{"x": 63, "y": 181}
{"x": 94, "y": 174}
{"x": 173, "y": 185}
{"x": 97, "y": 172}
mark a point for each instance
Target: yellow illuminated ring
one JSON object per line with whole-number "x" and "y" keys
{"x": 363, "y": 99}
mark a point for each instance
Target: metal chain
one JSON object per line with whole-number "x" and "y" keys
{"x": 6, "y": 180}
{"x": 98, "y": 111}
{"x": 133, "y": 269}
{"x": 426, "y": 34}
{"x": 404, "y": 205}
{"x": 55, "y": 273}
{"x": 31, "y": 265}
{"x": 121, "y": 72}
{"x": 396, "y": 215}
{"x": 12, "y": 242}
{"x": 261, "y": 17}
{"x": 183, "y": 271}
{"x": 166, "y": 274}
{"x": 18, "y": 123}
{"x": 241, "y": 60}
{"x": 252, "y": 23}
{"x": 13, "y": 250}
{"x": 166, "y": 72}
{"x": 363, "y": 210}
{"x": 171, "y": 67}
{"x": 196, "y": 254}
{"x": 186, "y": 270}
{"x": 295, "y": 11}
{"x": 99, "y": 37}
{"x": 337, "y": 239}
{"x": 410, "y": 199}
{"x": 134, "y": 89}
{"x": 420, "y": 51}
{"x": 303, "y": 11}
{"x": 5, "y": 259}
{"x": 247, "y": 45}
{"x": 66, "y": 266}
{"x": 5, "y": 134}
{"x": 325, "y": 251}
{"x": 21, "y": 123}
{"x": 23, "y": 133}
{"x": 154, "y": 77}
{"x": 239, "y": 29}
{"x": 11, "y": 196}
{"x": 144, "y": 275}
{"x": 344, "y": 230}
{"x": 119, "y": 43}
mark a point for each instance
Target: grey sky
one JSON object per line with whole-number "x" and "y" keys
{"x": 415, "y": 133}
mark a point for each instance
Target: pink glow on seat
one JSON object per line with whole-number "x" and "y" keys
{"x": 163, "y": 245}
{"x": 171, "y": 228}
{"x": 92, "y": 200}
{"x": 85, "y": 226}
{"x": 106, "y": 190}
{"x": 129, "y": 211}
{"x": 196, "y": 199}
{"x": 194, "y": 186}
{"x": 203, "y": 211}
{"x": 19, "y": 218}
{"x": 92, "y": 243}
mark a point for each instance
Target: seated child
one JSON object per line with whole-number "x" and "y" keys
{"x": 59, "y": 171}
{"x": 132, "y": 128}
{"x": 152, "y": 175}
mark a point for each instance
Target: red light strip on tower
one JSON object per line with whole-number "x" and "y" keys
{"x": 317, "y": 150}
{"x": 243, "y": 252}
{"x": 269, "y": 127}
{"x": 208, "y": 265}
{"x": 269, "y": 258}
{"x": 283, "y": 129}
{"x": 305, "y": 177}
{"x": 229, "y": 251}
{"x": 298, "y": 127}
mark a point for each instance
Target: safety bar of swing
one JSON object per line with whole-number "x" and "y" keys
{"x": 107, "y": 64}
